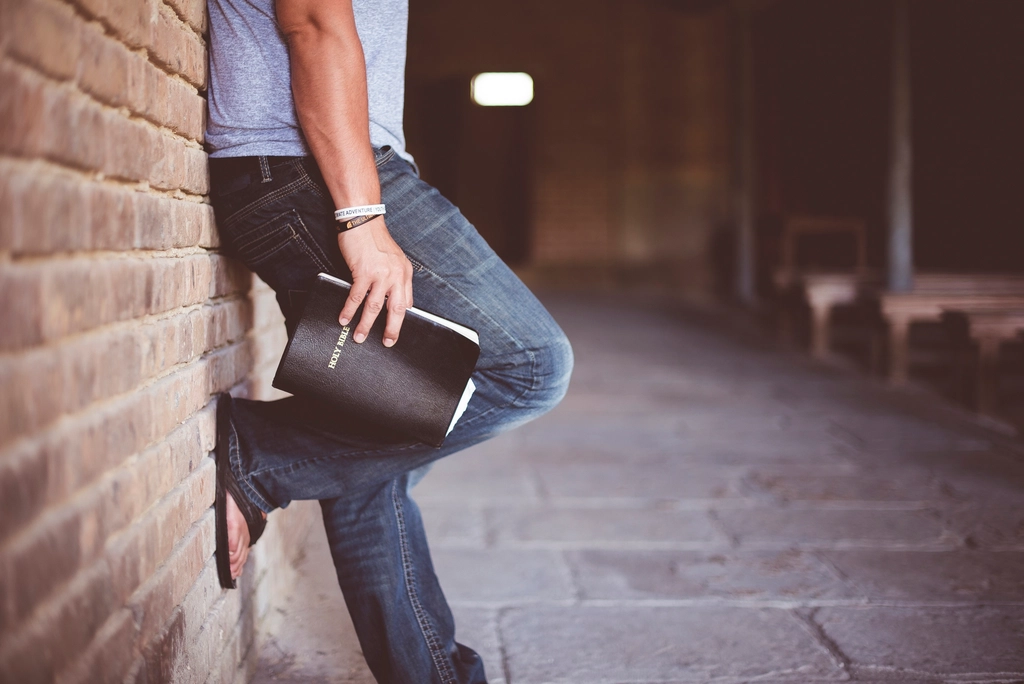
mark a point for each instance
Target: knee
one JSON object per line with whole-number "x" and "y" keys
{"x": 552, "y": 368}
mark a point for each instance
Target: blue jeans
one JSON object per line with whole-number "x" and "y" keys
{"x": 276, "y": 215}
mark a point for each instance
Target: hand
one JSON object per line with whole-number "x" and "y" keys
{"x": 380, "y": 274}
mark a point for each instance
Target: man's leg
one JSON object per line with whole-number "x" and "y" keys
{"x": 292, "y": 448}
{"x": 297, "y": 449}
{"x": 404, "y": 625}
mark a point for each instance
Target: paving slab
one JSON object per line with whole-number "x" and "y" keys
{"x": 503, "y": 575}
{"x": 453, "y": 525}
{"x": 788, "y": 575}
{"x": 824, "y": 527}
{"x": 312, "y": 639}
{"x": 632, "y": 644}
{"x": 791, "y": 484}
{"x": 478, "y": 629}
{"x": 704, "y": 508}
{"x": 930, "y": 576}
{"x": 476, "y": 486}
{"x": 672, "y": 479}
{"x": 975, "y": 642}
{"x": 986, "y": 526}
{"x": 597, "y": 527}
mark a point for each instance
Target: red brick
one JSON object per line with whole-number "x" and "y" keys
{"x": 33, "y": 393}
{"x": 192, "y": 12}
{"x": 144, "y": 546}
{"x": 186, "y": 111}
{"x": 119, "y": 77}
{"x": 163, "y": 652}
{"x": 48, "y": 211}
{"x": 46, "y": 35}
{"x": 110, "y": 654}
{"x": 88, "y": 445}
{"x": 156, "y": 599}
{"x": 40, "y": 560}
{"x": 86, "y": 293}
{"x": 60, "y": 212}
{"x": 23, "y": 103}
{"x": 60, "y": 630}
{"x": 196, "y": 172}
{"x": 228, "y": 276}
{"x": 105, "y": 67}
{"x": 23, "y": 485}
{"x": 21, "y": 308}
{"x": 131, "y": 20}
{"x": 188, "y": 648}
{"x": 227, "y": 322}
{"x": 52, "y": 550}
{"x": 177, "y": 48}
{"x": 44, "y": 120}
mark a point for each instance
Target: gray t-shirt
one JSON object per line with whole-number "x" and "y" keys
{"x": 250, "y": 96}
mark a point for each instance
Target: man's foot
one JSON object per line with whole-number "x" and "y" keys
{"x": 238, "y": 536}
{"x": 238, "y": 521}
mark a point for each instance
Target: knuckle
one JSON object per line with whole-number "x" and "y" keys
{"x": 373, "y": 305}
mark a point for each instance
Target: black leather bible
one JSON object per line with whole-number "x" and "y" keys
{"x": 419, "y": 387}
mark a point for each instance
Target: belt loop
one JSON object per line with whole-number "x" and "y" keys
{"x": 265, "y": 169}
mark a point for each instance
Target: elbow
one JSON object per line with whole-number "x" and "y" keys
{"x": 302, "y": 21}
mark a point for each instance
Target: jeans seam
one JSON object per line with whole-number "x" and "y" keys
{"x": 235, "y": 455}
{"x": 430, "y": 636}
{"x": 306, "y": 240}
{"x": 255, "y": 259}
{"x": 514, "y": 402}
{"x": 349, "y": 454}
{"x": 533, "y": 357}
{"x": 263, "y": 201}
{"x": 312, "y": 185}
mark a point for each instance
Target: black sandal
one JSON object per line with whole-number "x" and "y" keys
{"x": 226, "y": 483}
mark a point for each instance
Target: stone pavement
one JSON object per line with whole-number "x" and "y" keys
{"x": 705, "y": 508}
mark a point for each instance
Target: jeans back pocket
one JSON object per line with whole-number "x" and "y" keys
{"x": 279, "y": 250}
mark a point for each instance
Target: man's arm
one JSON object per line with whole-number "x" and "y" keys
{"x": 329, "y": 86}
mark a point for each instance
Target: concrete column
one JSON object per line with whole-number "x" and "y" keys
{"x": 743, "y": 166}
{"x": 901, "y": 236}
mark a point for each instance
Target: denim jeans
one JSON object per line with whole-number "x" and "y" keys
{"x": 278, "y": 218}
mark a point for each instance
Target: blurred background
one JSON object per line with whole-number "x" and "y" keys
{"x": 629, "y": 160}
{"x": 803, "y": 219}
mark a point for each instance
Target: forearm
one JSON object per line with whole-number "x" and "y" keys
{"x": 328, "y": 76}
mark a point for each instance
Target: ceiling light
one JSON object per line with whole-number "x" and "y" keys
{"x": 502, "y": 89}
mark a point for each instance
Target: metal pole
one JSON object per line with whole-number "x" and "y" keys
{"x": 743, "y": 182}
{"x": 901, "y": 235}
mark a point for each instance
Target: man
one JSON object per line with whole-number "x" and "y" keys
{"x": 305, "y": 118}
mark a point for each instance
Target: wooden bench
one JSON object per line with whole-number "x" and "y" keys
{"x": 822, "y": 289}
{"x": 936, "y": 293}
{"x": 826, "y": 291}
{"x": 990, "y": 329}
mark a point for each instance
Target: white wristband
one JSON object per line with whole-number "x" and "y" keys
{"x": 352, "y": 212}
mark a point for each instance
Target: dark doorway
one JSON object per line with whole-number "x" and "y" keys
{"x": 478, "y": 157}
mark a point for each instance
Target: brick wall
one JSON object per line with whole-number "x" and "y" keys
{"x": 119, "y": 321}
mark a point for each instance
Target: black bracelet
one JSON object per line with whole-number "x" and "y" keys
{"x": 356, "y": 222}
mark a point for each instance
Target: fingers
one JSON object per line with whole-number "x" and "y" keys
{"x": 373, "y": 306}
{"x": 396, "y": 314}
{"x": 392, "y": 292}
{"x": 381, "y": 277}
{"x": 356, "y": 294}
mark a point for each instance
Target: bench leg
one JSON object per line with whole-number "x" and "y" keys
{"x": 899, "y": 329}
{"x": 988, "y": 375}
{"x": 820, "y": 333}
